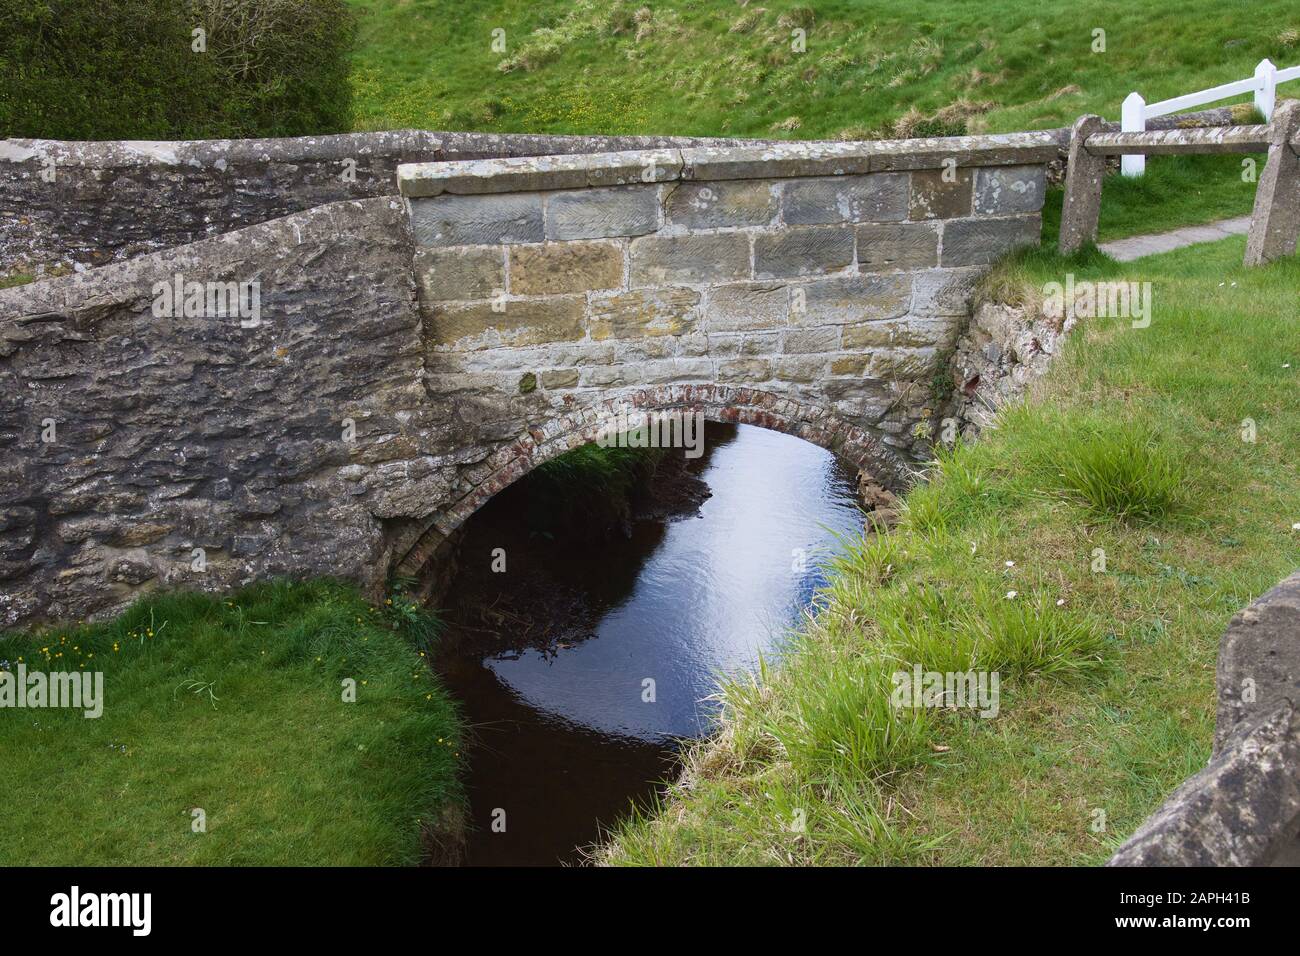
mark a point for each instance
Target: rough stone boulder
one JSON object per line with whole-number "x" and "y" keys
{"x": 1243, "y": 809}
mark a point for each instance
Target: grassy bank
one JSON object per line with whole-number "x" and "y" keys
{"x": 715, "y": 67}
{"x": 1133, "y": 444}
{"x": 869, "y": 70}
{"x": 234, "y": 706}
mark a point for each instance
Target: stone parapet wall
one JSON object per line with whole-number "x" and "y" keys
{"x": 66, "y": 204}
{"x": 838, "y": 274}
{"x": 77, "y": 204}
{"x": 128, "y": 440}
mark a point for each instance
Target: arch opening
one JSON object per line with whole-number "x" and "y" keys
{"x": 877, "y": 464}
{"x": 587, "y": 621}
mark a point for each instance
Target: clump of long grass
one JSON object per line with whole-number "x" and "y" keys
{"x": 954, "y": 488}
{"x": 837, "y": 719}
{"x": 1123, "y": 471}
{"x": 986, "y": 630}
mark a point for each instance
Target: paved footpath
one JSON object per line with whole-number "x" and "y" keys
{"x": 1135, "y": 247}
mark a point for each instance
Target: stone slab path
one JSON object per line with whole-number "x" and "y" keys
{"x": 1135, "y": 247}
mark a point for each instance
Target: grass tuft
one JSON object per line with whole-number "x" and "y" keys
{"x": 1120, "y": 470}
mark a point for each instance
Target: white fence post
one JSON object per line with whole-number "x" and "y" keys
{"x": 1133, "y": 119}
{"x": 1265, "y": 88}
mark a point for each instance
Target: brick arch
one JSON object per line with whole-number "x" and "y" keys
{"x": 719, "y": 403}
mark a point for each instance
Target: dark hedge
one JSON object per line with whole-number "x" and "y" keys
{"x": 127, "y": 69}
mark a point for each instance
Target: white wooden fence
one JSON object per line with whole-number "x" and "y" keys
{"x": 1275, "y": 220}
{"x": 1263, "y": 85}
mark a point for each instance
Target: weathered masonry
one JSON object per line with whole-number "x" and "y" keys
{"x": 88, "y": 204}
{"x": 833, "y": 277}
{"x": 414, "y": 355}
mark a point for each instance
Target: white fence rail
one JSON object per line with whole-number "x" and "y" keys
{"x": 1263, "y": 86}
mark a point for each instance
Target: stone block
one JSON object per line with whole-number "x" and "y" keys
{"x": 602, "y": 213}
{"x": 744, "y": 370}
{"x": 726, "y": 345}
{"x": 934, "y": 197}
{"x": 854, "y": 365}
{"x": 712, "y": 205}
{"x": 760, "y": 343}
{"x": 522, "y": 322}
{"x": 752, "y": 305}
{"x": 800, "y": 368}
{"x": 908, "y": 333}
{"x": 592, "y": 167}
{"x": 676, "y": 370}
{"x": 775, "y": 160}
{"x": 848, "y": 299}
{"x": 693, "y": 344}
{"x": 805, "y": 341}
{"x": 878, "y": 197}
{"x": 943, "y": 291}
{"x": 464, "y": 272}
{"x": 690, "y": 259}
{"x": 977, "y": 242}
{"x": 603, "y": 376}
{"x": 1009, "y": 190}
{"x": 477, "y": 220}
{"x": 903, "y": 364}
{"x": 560, "y": 378}
{"x": 645, "y": 349}
{"x": 890, "y": 247}
{"x": 559, "y": 267}
{"x": 643, "y": 313}
{"x": 802, "y": 250}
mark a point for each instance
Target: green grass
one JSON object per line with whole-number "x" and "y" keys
{"x": 16, "y": 279}
{"x": 870, "y": 70}
{"x": 1175, "y": 191}
{"x": 1131, "y": 446}
{"x": 235, "y": 706}
{"x": 592, "y": 471}
{"x": 713, "y": 67}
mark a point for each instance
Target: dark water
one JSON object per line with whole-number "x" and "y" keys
{"x": 569, "y": 731}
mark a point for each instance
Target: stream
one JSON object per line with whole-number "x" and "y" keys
{"x": 583, "y": 664}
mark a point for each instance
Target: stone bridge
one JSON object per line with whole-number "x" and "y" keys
{"x": 412, "y": 354}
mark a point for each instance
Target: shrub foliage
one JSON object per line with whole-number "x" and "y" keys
{"x": 135, "y": 69}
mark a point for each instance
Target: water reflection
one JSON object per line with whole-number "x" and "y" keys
{"x": 568, "y": 733}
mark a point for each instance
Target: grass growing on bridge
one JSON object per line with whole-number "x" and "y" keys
{"x": 234, "y": 706}
{"x": 1133, "y": 445}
